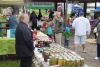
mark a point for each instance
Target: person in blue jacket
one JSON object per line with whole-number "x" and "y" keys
{"x": 13, "y": 22}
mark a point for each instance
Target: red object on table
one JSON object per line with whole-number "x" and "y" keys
{"x": 34, "y": 34}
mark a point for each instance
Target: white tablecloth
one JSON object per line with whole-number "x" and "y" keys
{"x": 40, "y": 58}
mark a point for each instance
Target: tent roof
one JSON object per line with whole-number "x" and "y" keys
{"x": 65, "y": 0}
{"x": 91, "y": 5}
{"x": 11, "y": 2}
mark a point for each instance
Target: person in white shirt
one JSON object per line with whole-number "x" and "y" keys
{"x": 82, "y": 29}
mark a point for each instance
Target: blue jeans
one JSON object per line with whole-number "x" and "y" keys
{"x": 98, "y": 50}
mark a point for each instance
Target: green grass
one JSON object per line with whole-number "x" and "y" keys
{"x": 7, "y": 46}
{"x": 10, "y": 63}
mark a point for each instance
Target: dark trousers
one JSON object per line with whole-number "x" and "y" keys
{"x": 95, "y": 35}
{"x": 98, "y": 50}
{"x": 34, "y": 25}
{"x": 66, "y": 43}
{"x": 26, "y": 61}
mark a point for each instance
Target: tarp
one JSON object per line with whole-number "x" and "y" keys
{"x": 97, "y": 8}
{"x": 77, "y": 9}
{"x": 64, "y": 0}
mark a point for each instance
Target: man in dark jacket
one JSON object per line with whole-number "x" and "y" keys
{"x": 24, "y": 42}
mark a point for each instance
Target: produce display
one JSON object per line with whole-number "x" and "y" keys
{"x": 56, "y": 55}
{"x": 63, "y": 57}
{"x": 42, "y": 40}
{"x": 43, "y": 37}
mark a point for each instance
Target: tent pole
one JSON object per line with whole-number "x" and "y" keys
{"x": 66, "y": 10}
{"x": 95, "y": 4}
{"x": 85, "y": 8}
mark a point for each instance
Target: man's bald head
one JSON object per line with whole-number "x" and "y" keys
{"x": 24, "y": 18}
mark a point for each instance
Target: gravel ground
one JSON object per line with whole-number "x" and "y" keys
{"x": 89, "y": 56}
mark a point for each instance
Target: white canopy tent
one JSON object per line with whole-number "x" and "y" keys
{"x": 93, "y": 4}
